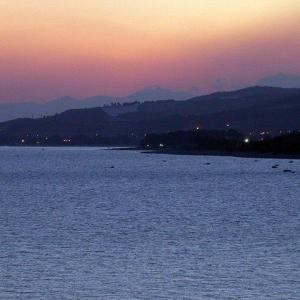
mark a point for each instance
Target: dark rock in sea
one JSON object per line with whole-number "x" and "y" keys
{"x": 275, "y": 166}
{"x": 288, "y": 171}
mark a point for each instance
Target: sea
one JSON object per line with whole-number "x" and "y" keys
{"x": 97, "y": 223}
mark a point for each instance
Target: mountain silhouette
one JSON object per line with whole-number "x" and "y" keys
{"x": 250, "y": 111}
{"x": 10, "y": 111}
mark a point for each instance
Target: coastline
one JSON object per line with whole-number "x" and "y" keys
{"x": 262, "y": 155}
{"x": 212, "y": 153}
{"x": 225, "y": 153}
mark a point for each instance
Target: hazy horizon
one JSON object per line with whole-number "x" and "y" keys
{"x": 114, "y": 48}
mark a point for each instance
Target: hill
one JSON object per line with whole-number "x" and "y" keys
{"x": 9, "y": 111}
{"x": 256, "y": 111}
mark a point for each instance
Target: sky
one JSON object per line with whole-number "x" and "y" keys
{"x": 52, "y": 48}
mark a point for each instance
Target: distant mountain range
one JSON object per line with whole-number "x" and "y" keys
{"x": 255, "y": 111}
{"x": 10, "y": 111}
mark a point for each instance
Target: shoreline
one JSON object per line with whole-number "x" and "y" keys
{"x": 224, "y": 153}
{"x": 212, "y": 153}
{"x": 172, "y": 151}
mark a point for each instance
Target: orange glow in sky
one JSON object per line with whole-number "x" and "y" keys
{"x": 51, "y": 48}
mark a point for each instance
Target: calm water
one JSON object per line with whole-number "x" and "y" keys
{"x": 152, "y": 227}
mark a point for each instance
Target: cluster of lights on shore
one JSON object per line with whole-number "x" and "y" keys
{"x": 246, "y": 140}
{"x": 197, "y": 128}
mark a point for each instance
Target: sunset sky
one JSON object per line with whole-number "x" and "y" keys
{"x": 51, "y": 48}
